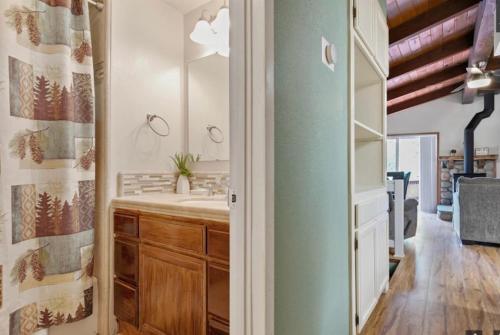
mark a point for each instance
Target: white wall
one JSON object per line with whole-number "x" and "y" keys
{"x": 449, "y": 117}
{"x": 208, "y": 104}
{"x": 147, "y": 76}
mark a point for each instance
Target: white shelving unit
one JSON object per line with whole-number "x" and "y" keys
{"x": 369, "y": 120}
{"x": 369, "y": 200}
{"x": 366, "y": 134}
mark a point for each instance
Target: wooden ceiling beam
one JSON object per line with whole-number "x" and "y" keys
{"x": 450, "y": 48}
{"x": 483, "y": 42}
{"x": 423, "y": 98}
{"x": 446, "y": 74}
{"x": 429, "y": 19}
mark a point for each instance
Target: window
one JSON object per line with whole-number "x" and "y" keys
{"x": 403, "y": 154}
{"x": 392, "y": 158}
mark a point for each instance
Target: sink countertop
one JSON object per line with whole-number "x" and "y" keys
{"x": 194, "y": 206}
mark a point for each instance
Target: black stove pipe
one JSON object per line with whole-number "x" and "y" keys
{"x": 489, "y": 108}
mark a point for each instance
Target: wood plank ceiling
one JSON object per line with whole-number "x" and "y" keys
{"x": 430, "y": 45}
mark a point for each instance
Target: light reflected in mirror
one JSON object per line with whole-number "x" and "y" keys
{"x": 208, "y": 107}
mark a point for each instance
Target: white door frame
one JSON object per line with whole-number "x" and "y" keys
{"x": 252, "y": 167}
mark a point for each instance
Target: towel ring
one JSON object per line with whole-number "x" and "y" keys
{"x": 151, "y": 117}
{"x": 212, "y": 130}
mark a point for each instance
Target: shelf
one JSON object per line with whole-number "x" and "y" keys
{"x": 364, "y": 133}
{"x": 476, "y": 158}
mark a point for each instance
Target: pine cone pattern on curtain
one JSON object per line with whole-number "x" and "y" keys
{"x": 34, "y": 32}
{"x": 84, "y": 50}
{"x": 47, "y": 191}
{"x": 36, "y": 151}
{"x": 19, "y": 23}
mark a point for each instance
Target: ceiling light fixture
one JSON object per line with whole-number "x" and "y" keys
{"x": 478, "y": 77}
{"x": 214, "y": 32}
{"x": 203, "y": 33}
{"x": 479, "y": 81}
{"x": 221, "y": 22}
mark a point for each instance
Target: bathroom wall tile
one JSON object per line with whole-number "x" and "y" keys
{"x": 142, "y": 183}
{"x": 218, "y": 181}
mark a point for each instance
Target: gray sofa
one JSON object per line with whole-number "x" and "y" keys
{"x": 476, "y": 210}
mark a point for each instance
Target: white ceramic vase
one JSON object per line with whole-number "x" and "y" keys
{"x": 182, "y": 185}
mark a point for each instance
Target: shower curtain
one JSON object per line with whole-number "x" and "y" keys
{"x": 47, "y": 156}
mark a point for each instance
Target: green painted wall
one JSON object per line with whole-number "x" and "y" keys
{"x": 383, "y": 4}
{"x": 311, "y": 123}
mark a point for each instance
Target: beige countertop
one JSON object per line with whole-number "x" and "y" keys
{"x": 203, "y": 207}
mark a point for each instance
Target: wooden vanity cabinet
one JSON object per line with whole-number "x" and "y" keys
{"x": 218, "y": 281}
{"x": 218, "y": 299}
{"x": 126, "y": 261}
{"x": 217, "y": 328}
{"x": 172, "y": 292}
{"x": 171, "y": 275}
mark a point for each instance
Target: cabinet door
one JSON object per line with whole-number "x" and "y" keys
{"x": 365, "y": 274}
{"x": 382, "y": 38}
{"x": 382, "y": 246}
{"x": 364, "y": 21}
{"x": 172, "y": 293}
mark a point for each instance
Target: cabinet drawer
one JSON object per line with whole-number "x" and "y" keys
{"x": 218, "y": 291}
{"x": 127, "y": 261}
{"x": 177, "y": 235}
{"x": 126, "y": 224}
{"x": 126, "y": 302}
{"x": 370, "y": 209}
{"x": 218, "y": 244}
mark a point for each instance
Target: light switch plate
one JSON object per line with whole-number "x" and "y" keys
{"x": 328, "y": 54}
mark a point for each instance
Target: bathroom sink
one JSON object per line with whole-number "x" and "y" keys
{"x": 216, "y": 202}
{"x": 208, "y": 201}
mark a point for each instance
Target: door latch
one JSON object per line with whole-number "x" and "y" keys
{"x": 232, "y": 198}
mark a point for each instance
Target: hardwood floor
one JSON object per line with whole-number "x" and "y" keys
{"x": 441, "y": 287}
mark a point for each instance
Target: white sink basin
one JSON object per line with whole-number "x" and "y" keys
{"x": 206, "y": 203}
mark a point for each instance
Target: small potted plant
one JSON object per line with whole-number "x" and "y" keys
{"x": 183, "y": 162}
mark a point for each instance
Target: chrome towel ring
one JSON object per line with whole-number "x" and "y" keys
{"x": 215, "y": 134}
{"x": 151, "y": 117}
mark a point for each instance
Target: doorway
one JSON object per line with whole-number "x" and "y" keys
{"x": 417, "y": 154}
{"x": 252, "y": 167}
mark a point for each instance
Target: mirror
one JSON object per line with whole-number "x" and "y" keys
{"x": 208, "y": 107}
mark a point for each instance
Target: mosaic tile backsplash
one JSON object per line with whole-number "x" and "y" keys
{"x": 218, "y": 182}
{"x": 147, "y": 183}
